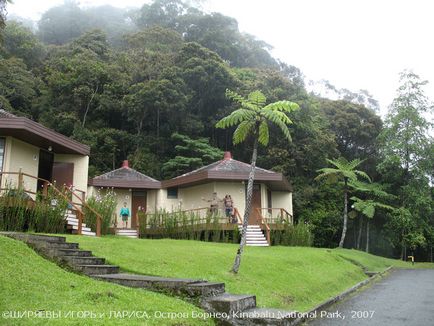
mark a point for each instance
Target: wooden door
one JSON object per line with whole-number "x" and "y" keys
{"x": 138, "y": 202}
{"x": 45, "y": 167}
{"x": 256, "y": 203}
{"x": 63, "y": 174}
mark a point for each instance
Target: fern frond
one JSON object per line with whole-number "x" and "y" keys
{"x": 257, "y": 98}
{"x": 264, "y": 135}
{"x": 235, "y": 117}
{"x": 242, "y": 131}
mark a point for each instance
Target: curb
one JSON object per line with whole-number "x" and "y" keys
{"x": 324, "y": 305}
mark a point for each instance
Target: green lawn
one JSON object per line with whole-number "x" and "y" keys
{"x": 31, "y": 283}
{"x": 282, "y": 277}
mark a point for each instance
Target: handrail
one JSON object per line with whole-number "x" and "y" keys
{"x": 47, "y": 184}
{"x": 84, "y": 204}
{"x": 138, "y": 224}
{"x": 237, "y": 214}
{"x": 264, "y": 222}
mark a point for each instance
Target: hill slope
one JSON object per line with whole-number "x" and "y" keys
{"x": 31, "y": 283}
{"x": 282, "y": 277}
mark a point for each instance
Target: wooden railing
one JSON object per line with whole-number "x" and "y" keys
{"x": 237, "y": 214}
{"x": 263, "y": 222}
{"x": 275, "y": 215}
{"x": 46, "y": 184}
{"x": 195, "y": 216}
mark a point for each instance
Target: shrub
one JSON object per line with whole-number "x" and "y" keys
{"x": 103, "y": 204}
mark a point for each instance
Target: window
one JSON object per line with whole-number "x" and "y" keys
{"x": 172, "y": 193}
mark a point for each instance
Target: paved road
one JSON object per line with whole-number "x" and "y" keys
{"x": 405, "y": 297}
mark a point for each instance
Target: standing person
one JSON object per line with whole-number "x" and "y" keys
{"x": 229, "y": 207}
{"x": 125, "y": 214}
{"x": 214, "y": 203}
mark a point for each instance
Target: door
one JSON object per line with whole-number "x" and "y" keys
{"x": 63, "y": 174}
{"x": 45, "y": 167}
{"x": 256, "y": 203}
{"x": 138, "y": 203}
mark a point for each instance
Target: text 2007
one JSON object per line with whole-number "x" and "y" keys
{"x": 362, "y": 314}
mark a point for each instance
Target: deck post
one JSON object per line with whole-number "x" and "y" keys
{"x": 80, "y": 222}
{"x": 98, "y": 226}
{"x": 20, "y": 179}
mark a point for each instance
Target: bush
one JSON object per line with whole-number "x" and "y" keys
{"x": 293, "y": 235}
{"x": 19, "y": 212}
{"x": 105, "y": 205}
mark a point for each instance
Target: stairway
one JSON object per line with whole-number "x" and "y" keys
{"x": 254, "y": 237}
{"x": 228, "y": 309}
{"x": 129, "y": 233}
{"x": 72, "y": 224}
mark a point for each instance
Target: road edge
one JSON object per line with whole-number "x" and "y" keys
{"x": 324, "y": 305}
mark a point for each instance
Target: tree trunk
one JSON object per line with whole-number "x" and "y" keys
{"x": 344, "y": 229}
{"x": 359, "y": 236}
{"x": 367, "y": 235}
{"x": 248, "y": 208}
{"x": 88, "y": 105}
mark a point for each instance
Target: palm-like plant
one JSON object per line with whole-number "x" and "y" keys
{"x": 251, "y": 119}
{"x": 367, "y": 208}
{"x": 343, "y": 171}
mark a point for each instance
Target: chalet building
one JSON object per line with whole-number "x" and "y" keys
{"x": 37, "y": 151}
{"x": 272, "y": 193}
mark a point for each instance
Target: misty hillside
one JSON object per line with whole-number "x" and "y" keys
{"x": 149, "y": 85}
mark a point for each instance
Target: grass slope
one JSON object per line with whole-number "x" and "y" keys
{"x": 31, "y": 283}
{"x": 282, "y": 277}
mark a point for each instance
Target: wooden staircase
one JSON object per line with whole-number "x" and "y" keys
{"x": 254, "y": 236}
{"x": 72, "y": 224}
{"x": 129, "y": 233}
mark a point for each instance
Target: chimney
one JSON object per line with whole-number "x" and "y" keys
{"x": 125, "y": 164}
{"x": 227, "y": 156}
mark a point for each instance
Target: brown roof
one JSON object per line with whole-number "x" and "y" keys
{"x": 36, "y": 134}
{"x": 229, "y": 169}
{"x": 125, "y": 177}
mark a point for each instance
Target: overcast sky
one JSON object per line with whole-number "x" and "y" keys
{"x": 357, "y": 44}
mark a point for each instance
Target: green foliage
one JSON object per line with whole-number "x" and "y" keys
{"x": 343, "y": 170}
{"x": 105, "y": 205}
{"x": 253, "y": 116}
{"x": 190, "y": 155}
{"x": 298, "y": 235}
{"x": 18, "y": 212}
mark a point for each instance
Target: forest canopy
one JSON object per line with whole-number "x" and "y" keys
{"x": 149, "y": 85}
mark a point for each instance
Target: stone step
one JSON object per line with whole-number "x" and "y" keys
{"x": 149, "y": 282}
{"x": 230, "y": 303}
{"x": 74, "y": 252}
{"x": 34, "y": 237}
{"x": 67, "y": 245}
{"x": 77, "y": 260}
{"x": 97, "y": 269}
{"x": 205, "y": 289}
{"x": 265, "y": 316}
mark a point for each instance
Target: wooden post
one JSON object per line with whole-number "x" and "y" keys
{"x": 20, "y": 179}
{"x": 98, "y": 226}
{"x": 268, "y": 236}
{"x": 138, "y": 224}
{"x": 45, "y": 190}
{"x": 80, "y": 222}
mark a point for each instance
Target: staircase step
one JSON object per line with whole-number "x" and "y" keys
{"x": 97, "y": 269}
{"x": 230, "y": 303}
{"x": 89, "y": 233}
{"x": 74, "y": 252}
{"x": 76, "y": 260}
{"x": 205, "y": 289}
{"x": 257, "y": 244}
{"x": 66, "y": 245}
{"x": 83, "y": 228}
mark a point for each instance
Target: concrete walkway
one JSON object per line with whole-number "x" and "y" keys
{"x": 405, "y": 297}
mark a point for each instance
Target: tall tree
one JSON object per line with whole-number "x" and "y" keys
{"x": 405, "y": 136}
{"x": 343, "y": 171}
{"x": 252, "y": 119}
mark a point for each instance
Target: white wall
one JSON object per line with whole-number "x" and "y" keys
{"x": 282, "y": 199}
{"x": 20, "y": 155}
